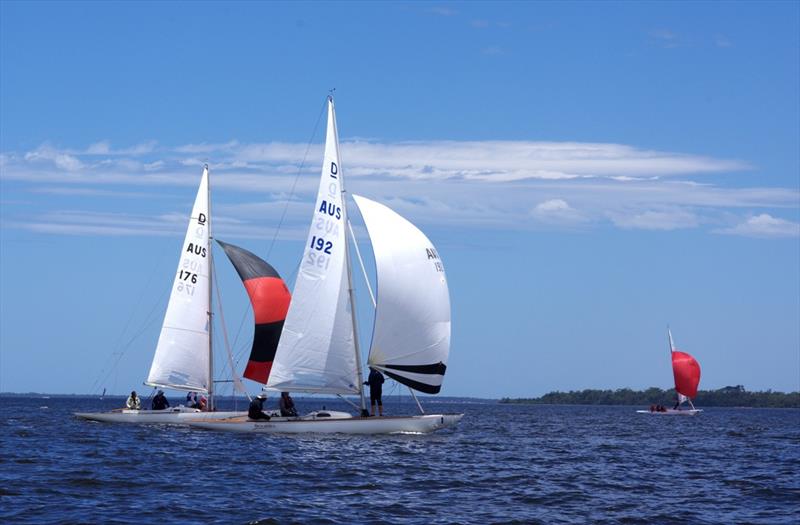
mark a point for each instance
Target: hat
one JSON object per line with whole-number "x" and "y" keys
{"x": 262, "y": 395}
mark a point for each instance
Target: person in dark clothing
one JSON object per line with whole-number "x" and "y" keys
{"x": 191, "y": 400}
{"x": 160, "y": 401}
{"x": 256, "y": 410}
{"x": 287, "y": 405}
{"x": 375, "y": 382}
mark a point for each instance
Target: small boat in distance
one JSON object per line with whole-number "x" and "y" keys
{"x": 318, "y": 351}
{"x": 686, "y": 371}
{"x": 183, "y": 357}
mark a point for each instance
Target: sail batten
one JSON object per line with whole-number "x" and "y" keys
{"x": 182, "y": 356}
{"x": 411, "y": 335}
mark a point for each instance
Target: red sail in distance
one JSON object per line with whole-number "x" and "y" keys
{"x": 686, "y": 370}
{"x": 270, "y": 299}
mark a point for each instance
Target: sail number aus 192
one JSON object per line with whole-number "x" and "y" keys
{"x": 320, "y": 244}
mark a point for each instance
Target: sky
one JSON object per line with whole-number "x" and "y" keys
{"x": 589, "y": 173}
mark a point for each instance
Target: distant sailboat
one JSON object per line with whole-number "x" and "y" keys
{"x": 318, "y": 351}
{"x": 686, "y": 372}
{"x": 183, "y": 358}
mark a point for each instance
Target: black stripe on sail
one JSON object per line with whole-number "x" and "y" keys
{"x": 416, "y": 385}
{"x": 438, "y": 368}
{"x": 265, "y": 341}
{"x": 247, "y": 264}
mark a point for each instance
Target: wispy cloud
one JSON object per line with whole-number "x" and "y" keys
{"x": 763, "y": 225}
{"x": 666, "y": 38}
{"x": 442, "y": 11}
{"x": 481, "y": 184}
{"x": 667, "y": 219}
{"x": 557, "y": 211}
{"x": 722, "y": 41}
{"x": 492, "y": 50}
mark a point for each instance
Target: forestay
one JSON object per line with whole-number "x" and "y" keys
{"x": 181, "y": 360}
{"x": 411, "y": 336}
{"x": 316, "y": 351}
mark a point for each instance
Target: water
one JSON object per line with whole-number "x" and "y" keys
{"x": 502, "y": 464}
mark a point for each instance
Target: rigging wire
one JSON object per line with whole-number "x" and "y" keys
{"x": 286, "y": 208}
{"x": 296, "y": 178}
{"x": 118, "y": 345}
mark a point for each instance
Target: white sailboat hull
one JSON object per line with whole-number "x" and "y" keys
{"x": 337, "y": 423}
{"x": 672, "y": 412}
{"x": 175, "y": 416}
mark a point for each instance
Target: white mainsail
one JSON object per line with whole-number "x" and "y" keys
{"x": 411, "y": 336}
{"x": 316, "y": 352}
{"x": 181, "y": 360}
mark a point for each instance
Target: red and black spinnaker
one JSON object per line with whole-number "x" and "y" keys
{"x": 270, "y": 299}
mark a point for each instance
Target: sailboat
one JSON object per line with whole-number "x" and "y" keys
{"x": 318, "y": 351}
{"x": 686, "y": 371}
{"x": 183, "y": 358}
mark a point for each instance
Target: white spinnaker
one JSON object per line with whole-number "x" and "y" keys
{"x": 316, "y": 352}
{"x": 181, "y": 360}
{"x": 411, "y": 336}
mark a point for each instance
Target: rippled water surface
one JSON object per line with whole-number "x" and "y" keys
{"x": 502, "y": 464}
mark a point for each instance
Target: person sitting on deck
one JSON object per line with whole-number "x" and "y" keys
{"x": 191, "y": 400}
{"x": 287, "y": 405}
{"x": 375, "y": 382}
{"x": 256, "y": 409}
{"x": 133, "y": 402}
{"x": 160, "y": 401}
{"x": 202, "y": 404}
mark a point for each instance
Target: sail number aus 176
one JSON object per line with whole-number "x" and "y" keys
{"x": 186, "y": 276}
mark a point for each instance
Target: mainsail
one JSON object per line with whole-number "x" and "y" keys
{"x": 316, "y": 352}
{"x": 270, "y": 299}
{"x": 686, "y": 371}
{"x": 411, "y": 336}
{"x": 182, "y": 357}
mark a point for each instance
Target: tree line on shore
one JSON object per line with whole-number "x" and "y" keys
{"x": 729, "y": 396}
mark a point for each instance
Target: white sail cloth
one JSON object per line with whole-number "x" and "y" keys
{"x": 411, "y": 337}
{"x": 181, "y": 360}
{"x": 316, "y": 352}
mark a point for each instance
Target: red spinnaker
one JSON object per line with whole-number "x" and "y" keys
{"x": 270, "y": 299}
{"x": 687, "y": 373}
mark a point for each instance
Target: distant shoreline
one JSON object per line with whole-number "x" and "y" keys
{"x": 728, "y": 397}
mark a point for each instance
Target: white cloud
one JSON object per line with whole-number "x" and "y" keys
{"x": 763, "y": 225}
{"x": 557, "y": 211}
{"x": 60, "y": 159}
{"x": 481, "y": 184}
{"x": 656, "y": 220}
{"x": 665, "y": 38}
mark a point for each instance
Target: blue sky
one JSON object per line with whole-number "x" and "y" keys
{"x": 589, "y": 173}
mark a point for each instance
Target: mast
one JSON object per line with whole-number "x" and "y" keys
{"x": 210, "y": 306}
{"x": 346, "y": 222}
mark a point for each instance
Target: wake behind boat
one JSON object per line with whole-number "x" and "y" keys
{"x": 318, "y": 351}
